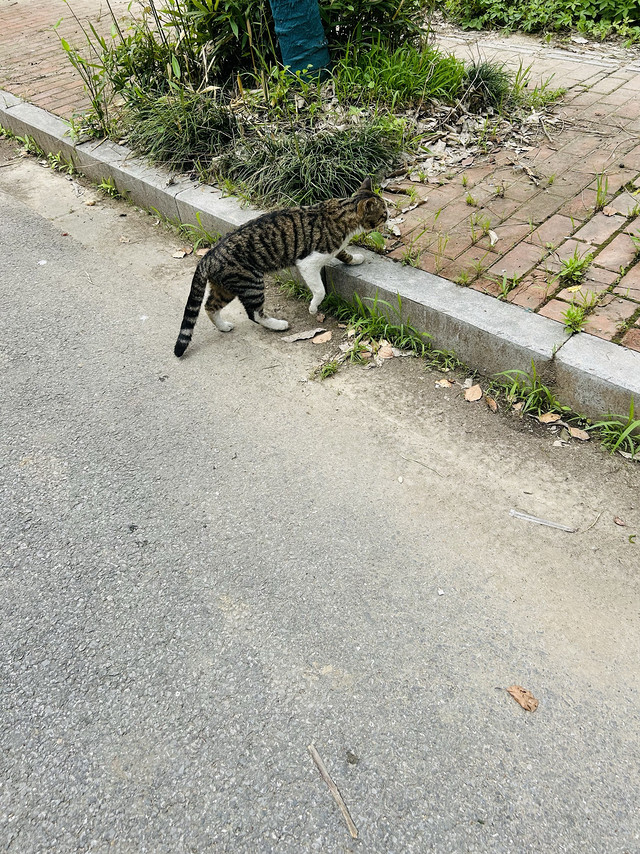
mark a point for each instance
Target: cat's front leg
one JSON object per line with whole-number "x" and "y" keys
{"x": 348, "y": 258}
{"x": 309, "y": 268}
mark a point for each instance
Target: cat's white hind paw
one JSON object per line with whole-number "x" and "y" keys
{"x": 356, "y": 259}
{"x": 219, "y": 322}
{"x": 275, "y": 323}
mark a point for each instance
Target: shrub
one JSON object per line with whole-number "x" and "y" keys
{"x": 596, "y": 16}
{"x": 303, "y": 168}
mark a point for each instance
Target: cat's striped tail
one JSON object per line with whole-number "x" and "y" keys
{"x": 192, "y": 308}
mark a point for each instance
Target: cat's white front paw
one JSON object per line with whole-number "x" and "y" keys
{"x": 313, "y": 309}
{"x": 356, "y": 258}
{"x": 224, "y": 325}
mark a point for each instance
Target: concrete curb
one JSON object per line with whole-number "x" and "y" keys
{"x": 592, "y": 376}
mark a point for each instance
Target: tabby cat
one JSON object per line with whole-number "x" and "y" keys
{"x": 307, "y": 237}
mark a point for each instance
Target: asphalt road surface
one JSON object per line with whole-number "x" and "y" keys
{"x": 209, "y": 564}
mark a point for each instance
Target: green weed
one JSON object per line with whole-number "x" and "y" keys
{"x": 574, "y": 318}
{"x": 574, "y": 268}
{"x": 507, "y": 285}
{"x": 328, "y": 369}
{"x": 108, "y": 187}
{"x": 528, "y": 388}
{"x": 620, "y": 432}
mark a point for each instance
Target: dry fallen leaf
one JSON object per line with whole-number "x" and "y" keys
{"x": 549, "y": 417}
{"x": 385, "y": 352}
{"x": 322, "y": 338}
{"x": 473, "y": 393}
{"x": 303, "y": 336}
{"x": 90, "y": 203}
{"x": 607, "y": 210}
{"x": 579, "y": 434}
{"x": 443, "y": 383}
{"x": 523, "y": 697}
{"x": 201, "y": 252}
{"x": 320, "y": 317}
{"x": 493, "y": 406}
{"x": 620, "y": 521}
{"x": 493, "y": 237}
{"x": 179, "y": 253}
{"x": 517, "y": 407}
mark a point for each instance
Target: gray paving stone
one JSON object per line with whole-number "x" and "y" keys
{"x": 595, "y": 377}
{"x": 50, "y": 132}
{"x": 217, "y": 212}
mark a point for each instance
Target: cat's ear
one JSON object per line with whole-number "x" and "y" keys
{"x": 366, "y": 185}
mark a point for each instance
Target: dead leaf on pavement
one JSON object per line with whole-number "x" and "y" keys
{"x": 201, "y": 252}
{"x": 473, "y": 393}
{"x": 181, "y": 253}
{"x": 385, "y": 352}
{"x": 523, "y": 697}
{"x": 579, "y": 434}
{"x": 493, "y": 406}
{"x": 517, "y": 407}
{"x": 493, "y": 237}
{"x": 303, "y": 336}
{"x": 322, "y": 338}
{"x": 549, "y": 417}
{"x": 620, "y": 521}
{"x": 443, "y": 383}
{"x": 320, "y": 317}
{"x": 607, "y": 210}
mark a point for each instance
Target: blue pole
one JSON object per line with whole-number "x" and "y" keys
{"x": 300, "y": 35}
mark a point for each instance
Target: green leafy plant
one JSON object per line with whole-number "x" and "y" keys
{"x": 30, "y": 146}
{"x": 574, "y": 318}
{"x": 60, "y": 163}
{"x": 536, "y": 397}
{"x": 487, "y": 85}
{"x": 400, "y": 78}
{"x": 108, "y": 187}
{"x": 599, "y": 17}
{"x": 374, "y": 319}
{"x": 620, "y": 432}
{"x": 328, "y": 369}
{"x": 197, "y": 234}
{"x": 300, "y": 168}
{"x": 507, "y": 284}
{"x": 574, "y": 267}
{"x": 371, "y": 240}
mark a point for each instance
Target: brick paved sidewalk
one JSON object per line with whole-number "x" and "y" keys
{"x": 33, "y": 65}
{"x": 539, "y": 223}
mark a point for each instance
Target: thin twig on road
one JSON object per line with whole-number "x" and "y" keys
{"x": 353, "y": 830}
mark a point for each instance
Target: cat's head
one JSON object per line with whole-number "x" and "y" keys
{"x": 372, "y": 209}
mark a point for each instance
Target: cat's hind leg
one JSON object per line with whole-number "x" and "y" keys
{"x": 309, "y": 268}
{"x": 252, "y": 298}
{"x": 216, "y": 301}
